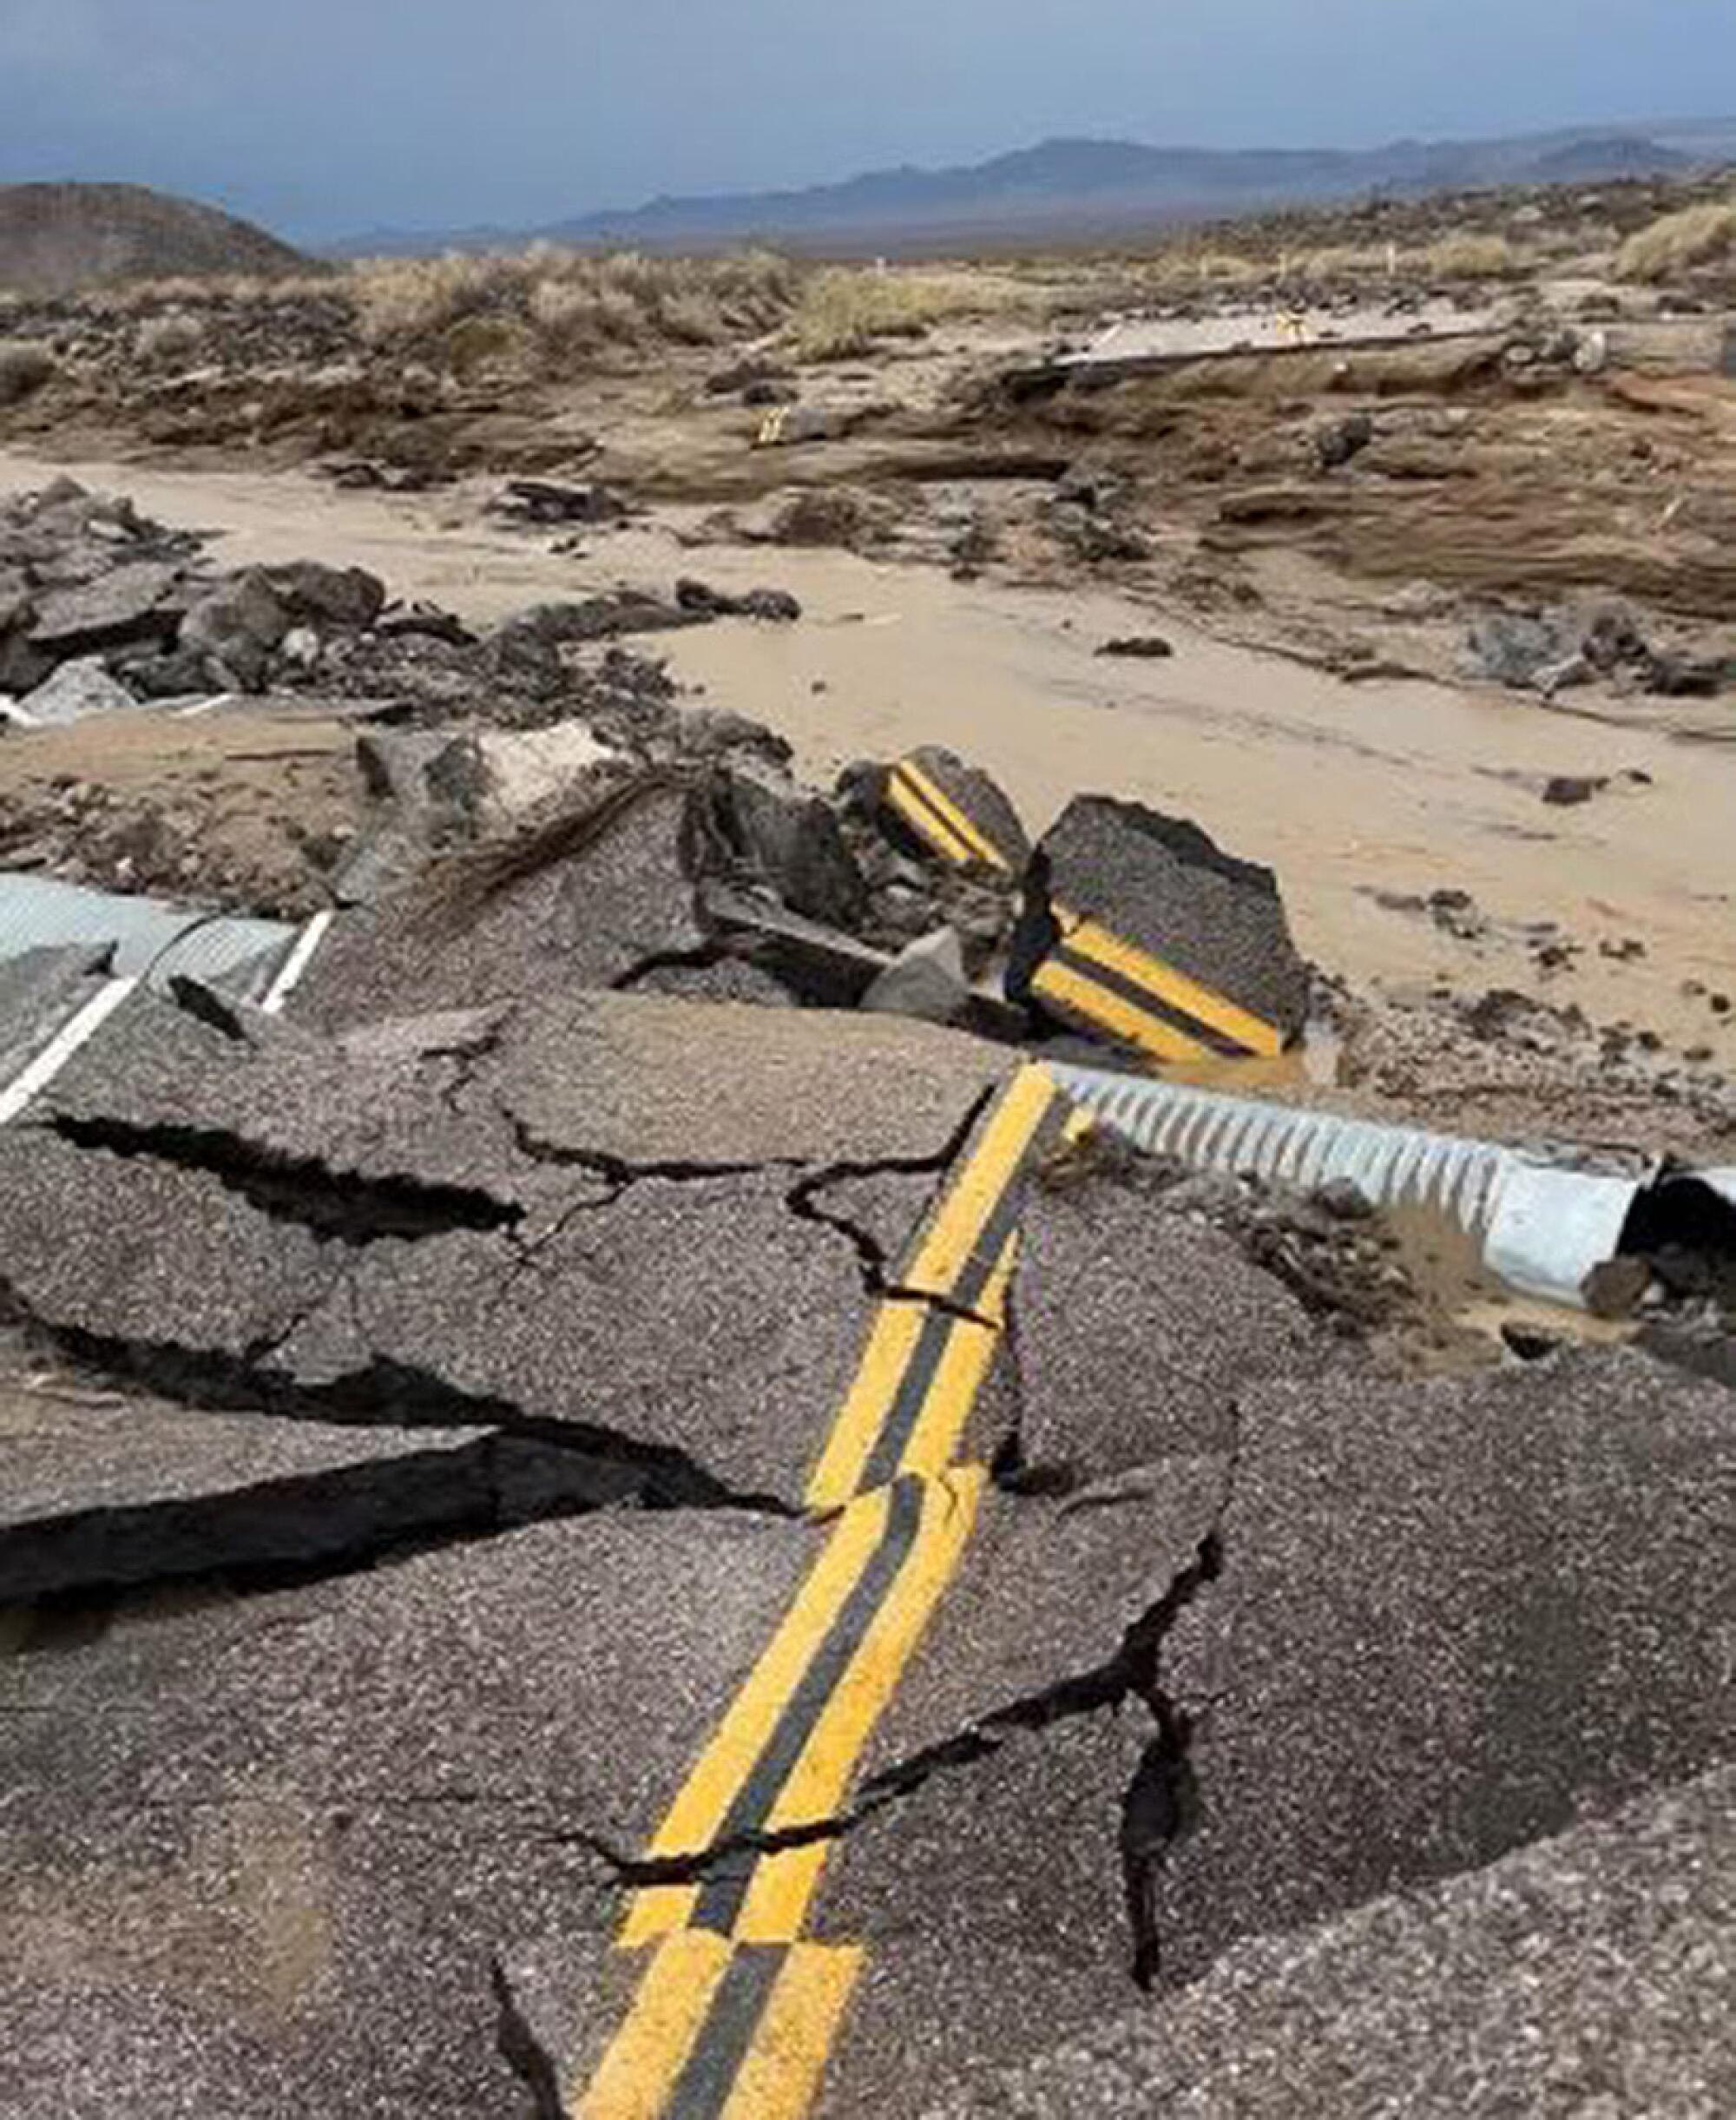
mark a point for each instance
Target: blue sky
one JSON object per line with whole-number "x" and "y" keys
{"x": 322, "y": 117}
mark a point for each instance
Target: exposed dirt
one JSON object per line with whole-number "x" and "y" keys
{"x": 1366, "y": 797}
{"x": 248, "y": 808}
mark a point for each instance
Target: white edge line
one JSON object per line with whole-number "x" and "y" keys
{"x": 296, "y": 963}
{"x": 75, "y": 1032}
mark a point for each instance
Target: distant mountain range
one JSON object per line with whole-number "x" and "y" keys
{"x": 1079, "y": 187}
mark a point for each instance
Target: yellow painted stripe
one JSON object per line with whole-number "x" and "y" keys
{"x": 1090, "y": 939}
{"x": 951, "y": 1238}
{"x": 957, "y": 818}
{"x": 1072, "y": 990}
{"x": 869, "y": 1400}
{"x": 927, "y": 826}
{"x": 698, "y": 1810}
{"x": 782, "y": 2069}
{"x": 648, "y": 2054}
{"x": 777, "y": 1900}
{"x": 969, "y": 1349}
{"x": 942, "y": 1251}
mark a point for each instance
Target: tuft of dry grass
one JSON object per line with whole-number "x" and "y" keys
{"x": 572, "y": 304}
{"x": 175, "y": 335}
{"x": 1469, "y": 257}
{"x": 1347, "y": 261}
{"x": 24, "y": 367}
{"x": 844, "y": 309}
{"x": 1697, "y": 235}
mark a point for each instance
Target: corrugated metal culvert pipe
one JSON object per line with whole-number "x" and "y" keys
{"x": 1542, "y": 1227}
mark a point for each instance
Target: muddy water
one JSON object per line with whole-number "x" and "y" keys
{"x": 1347, "y": 790}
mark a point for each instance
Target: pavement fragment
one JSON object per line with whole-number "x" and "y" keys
{"x": 293, "y": 1829}
{"x": 588, "y": 904}
{"x": 1137, "y": 927}
{"x": 1450, "y": 1613}
{"x": 1593, "y": 1969}
{"x": 955, "y": 811}
{"x": 103, "y": 1494}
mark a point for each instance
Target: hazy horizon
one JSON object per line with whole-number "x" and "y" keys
{"x": 320, "y": 124}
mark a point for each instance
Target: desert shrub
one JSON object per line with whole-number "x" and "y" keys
{"x": 172, "y": 336}
{"x": 1697, "y": 235}
{"x": 692, "y": 316}
{"x": 1346, "y": 261}
{"x": 414, "y": 298}
{"x": 24, "y": 367}
{"x": 844, "y": 309}
{"x": 574, "y": 304}
{"x": 1469, "y": 257}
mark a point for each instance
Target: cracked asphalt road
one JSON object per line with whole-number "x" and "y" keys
{"x": 333, "y": 1780}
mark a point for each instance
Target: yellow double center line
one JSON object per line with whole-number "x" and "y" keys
{"x": 941, "y": 824}
{"x": 1094, "y": 974}
{"x": 735, "y": 2013}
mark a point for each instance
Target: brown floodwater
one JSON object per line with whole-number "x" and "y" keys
{"x": 1347, "y": 790}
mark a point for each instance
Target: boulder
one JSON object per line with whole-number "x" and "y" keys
{"x": 926, "y": 980}
{"x": 1147, "y": 647}
{"x": 237, "y": 627}
{"x": 776, "y": 604}
{"x": 347, "y": 598}
{"x": 75, "y": 690}
{"x": 1513, "y": 648}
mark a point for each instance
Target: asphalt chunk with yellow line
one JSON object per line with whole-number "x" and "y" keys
{"x": 1137, "y": 929}
{"x": 954, "y": 812}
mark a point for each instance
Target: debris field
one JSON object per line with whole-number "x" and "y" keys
{"x": 621, "y": 1505}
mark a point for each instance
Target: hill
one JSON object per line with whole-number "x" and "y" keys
{"x": 1074, "y": 187}
{"x": 54, "y": 238}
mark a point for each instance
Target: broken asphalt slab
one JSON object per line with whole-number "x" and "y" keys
{"x": 1592, "y": 1971}
{"x": 564, "y": 912}
{"x": 945, "y": 807}
{"x": 1137, "y": 1329}
{"x": 41, "y": 992}
{"x": 291, "y": 1831}
{"x": 1068, "y": 1788}
{"x": 1450, "y": 1613}
{"x": 133, "y": 602}
{"x": 341, "y": 1231}
{"x": 986, "y": 1856}
{"x": 1138, "y": 928}
{"x": 977, "y": 1865}
{"x": 104, "y": 1494}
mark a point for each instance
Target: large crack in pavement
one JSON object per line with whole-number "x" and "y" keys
{"x": 1160, "y": 1804}
{"x": 342, "y": 1205}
